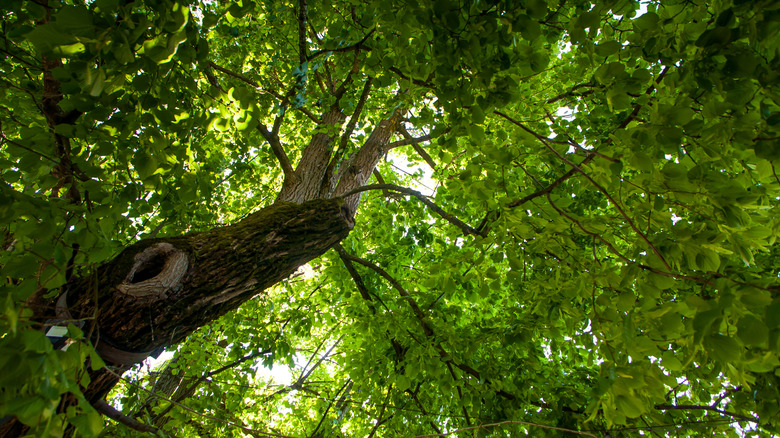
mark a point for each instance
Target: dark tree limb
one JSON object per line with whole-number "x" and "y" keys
{"x": 613, "y": 201}
{"x": 330, "y": 405}
{"x": 423, "y": 410}
{"x": 571, "y": 92}
{"x": 109, "y": 411}
{"x": 257, "y": 86}
{"x": 467, "y": 230}
{"x": 381, "y": 413}
{"x": 667, "y": 407}
{"x": 429, "y": 333}
{"x": 361, "y": 286}
{"x": 415, "y": 142}
{"x": 254, "y": 432}
{"x": 396, "y": 285}
{"x": 302, "y": 21}
{"x": 360, "y": 45}
{"x": 417, "y": 82}
{"x": 329, "y": 180}
{"x": 276, "y": 146}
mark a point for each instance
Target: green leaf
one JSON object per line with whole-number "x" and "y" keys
{"x": 607, "y": 48}
{"x": 752, "y": 331}
{"x": 629, "y": 405}
{"x": 722, "y": 348}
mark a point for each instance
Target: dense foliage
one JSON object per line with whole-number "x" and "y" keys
{"x": 573, "y": 228}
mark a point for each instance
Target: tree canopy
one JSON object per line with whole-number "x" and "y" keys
{"x": 503, "y": 217}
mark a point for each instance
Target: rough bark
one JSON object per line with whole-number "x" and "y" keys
{"x": 360, "y": 168}
{"x": 310, "y": 172}
{"x": 157, "y": 291}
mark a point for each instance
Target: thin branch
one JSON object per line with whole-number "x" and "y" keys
{"x": 614, "y": 203}
{"x": 251, "y": 82}
{"x": 325, "y": 415}
{"x": 637, "y": 107}
{"x": 381, "y": 413}
{"x": 5, "y": 139}
{"x": 360, "y": 45}
{"x": 355, "y": 277}
{"x": 530, "y": 131}
{"x": 208, "y": 70}
{"x": 210, "y": 417}
{"x": 278, "y": 150}
{"x": 235, "y": 75}
{"x": 353, "y": 119}
{"x": 665, "y": 407}
{"x": 571, "y": 92}
{"x": 381, "y": 180}
{"x": 111, "y": 412}
{"x": 467, "y": 230}
{"x": 397, "y": 286}
{"x": 415, "y": 142}
{"x": 302, "y": 20}
{"x": 422, "y": 409}
{"x": 598, "y": 186}
{"x": 586, "y": 231}
{"x": 408, "y": 139}
{"x": 414, "y": 81}
{"x": 306, "y": 374}
{"x": 502, "y": 423}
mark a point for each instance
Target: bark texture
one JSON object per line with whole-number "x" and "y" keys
{"x": 158, "y": 291}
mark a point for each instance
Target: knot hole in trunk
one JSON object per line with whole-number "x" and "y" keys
{"x": 157, "y": 270}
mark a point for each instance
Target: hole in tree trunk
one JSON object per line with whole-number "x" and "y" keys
{"x": 150, "y": 269}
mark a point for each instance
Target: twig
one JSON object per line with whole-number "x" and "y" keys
{"x": 707, "y": 408}
{"x": 210, "y": 417}
{"x": 598, "y": 186}
{"x": 357, "y": 46}
{"x": 614, "y": 203}
{"x": 414, "y": 81}
{"x": 571, "y": 92}
{"x": 502, "y": 423}
{"x": 381, "y": 413}
{"x": 586, "y": 231}
{"x": 19, "y": 145}
{"x": 397, "y": 286}
{"x": 251, "y": 82}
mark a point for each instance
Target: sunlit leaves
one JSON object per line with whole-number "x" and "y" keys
{"x": 645, "y": 277}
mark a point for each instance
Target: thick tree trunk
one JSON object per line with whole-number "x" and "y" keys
{"x": 157, "y": 291}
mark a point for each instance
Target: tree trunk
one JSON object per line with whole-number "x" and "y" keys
{"x": 158, "y": 291}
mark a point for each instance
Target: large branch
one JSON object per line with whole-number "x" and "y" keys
{"x": 429, "y": 333}
{"x": 314, "y": 160}
{"x": 329, "y": 181}
{"x": 360, "y": 169}
{"x": 158, "y": 291}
